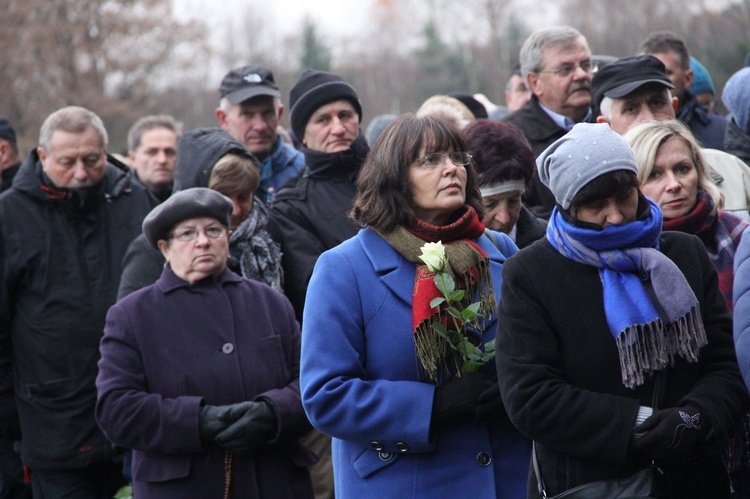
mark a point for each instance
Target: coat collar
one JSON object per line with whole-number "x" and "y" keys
{"x": 169, "y": 281}
{"x": 397, "y": 273}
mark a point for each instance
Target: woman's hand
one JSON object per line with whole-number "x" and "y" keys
{"x": 670, "y": 432}
{"x": 251, "y": 424}
{"x": 458, "y": 399}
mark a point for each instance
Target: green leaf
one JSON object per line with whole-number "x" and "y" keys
{"x": 439, "y": 328}
{"x": 469, "y": 315}
{"x": 445, "y": 283}
{"x": 454, "y": 312}
{"x": 457, "y": 295}
{"x": 436, "y": 302}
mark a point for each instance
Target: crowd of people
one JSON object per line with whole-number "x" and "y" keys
{"x": 464, "y": 300}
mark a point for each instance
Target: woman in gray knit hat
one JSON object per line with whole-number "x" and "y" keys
{"x": 610, "y": 324}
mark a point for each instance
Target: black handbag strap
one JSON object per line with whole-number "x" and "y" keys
{"x": 657, "y": 399}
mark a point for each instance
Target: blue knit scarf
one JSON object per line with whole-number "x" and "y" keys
{"x": 651, "y": 311}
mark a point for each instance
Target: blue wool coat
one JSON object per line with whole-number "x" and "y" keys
{"x": 741, "y": 296}
{"x": 172, "y": 346}
{"x": 360, "y": 384}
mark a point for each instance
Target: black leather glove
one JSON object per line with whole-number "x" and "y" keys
{"x": 670, "y": 432}
{"x": 252, "y": 425}
{"x": 10, "y": 426}
{"x": 458, "y": 399}
{"x": 490, "y": 408}
{"x": 209, "y": 423}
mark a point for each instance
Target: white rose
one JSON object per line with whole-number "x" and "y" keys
{"x": 433, "y": 255}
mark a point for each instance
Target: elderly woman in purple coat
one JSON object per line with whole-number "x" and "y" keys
{"x": 199, "y": 372}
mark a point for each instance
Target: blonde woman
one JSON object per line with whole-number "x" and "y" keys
{"x": 673, "y": 173}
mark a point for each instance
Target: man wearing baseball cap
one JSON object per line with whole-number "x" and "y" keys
{"x": 249, "y": 110}
{"x": 635, "y": 89}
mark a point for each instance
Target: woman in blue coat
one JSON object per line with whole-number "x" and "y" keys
{"x": 199, "y": 371}
{"x": 407, "y": 420}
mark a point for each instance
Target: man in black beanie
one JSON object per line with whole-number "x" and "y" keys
{"x": 309, "y": 214}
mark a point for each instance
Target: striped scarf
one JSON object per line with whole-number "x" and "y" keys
{"x": 720, "y": 232}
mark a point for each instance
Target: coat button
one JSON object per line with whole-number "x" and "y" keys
{"x": 484, "y": 459}
{"x": 402, "y": 447}
{"x": 385, "y": 455}
{"x": 377, "y": 446}
{"x": 227, "y": 348}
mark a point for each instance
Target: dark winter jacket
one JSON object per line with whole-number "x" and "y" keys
{"x": 529, "y": 228}
{"x": 560, "y": 379}
{"x": 541, "y": 131}
{"x": 7, "y": 176}
{"x": 60, "y": 266}
{"x": 173, "y": 346}
{"x": 737, "y": 142}
{"x": 310, "y": 214}
{"x": 708, "y": 128}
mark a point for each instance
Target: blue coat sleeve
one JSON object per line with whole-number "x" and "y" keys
{"x": 355, "y": 368}
{"x": 741, "y": 294}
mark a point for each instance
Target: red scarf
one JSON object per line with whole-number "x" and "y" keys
{"x": 468, "y": 264}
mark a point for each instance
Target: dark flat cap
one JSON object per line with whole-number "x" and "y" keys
{"x": 184, "y": 205}
{"x": 624, "y": 76}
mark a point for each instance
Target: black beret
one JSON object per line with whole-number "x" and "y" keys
{"x": 184, "y": 205}
{"x": 624, "y": 76}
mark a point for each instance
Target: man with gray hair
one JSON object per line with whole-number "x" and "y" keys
{"x": 152, "y": 152}
{"x": 249, "y": 111}
{"x": 557, "y": 67}
{"x": 64, "y": 226}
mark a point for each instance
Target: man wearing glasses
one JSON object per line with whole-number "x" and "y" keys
{"x": 557, "y": 67}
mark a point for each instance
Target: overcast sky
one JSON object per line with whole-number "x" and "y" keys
{"x": 337, "y": 17}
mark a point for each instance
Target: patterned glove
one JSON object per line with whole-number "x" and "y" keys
{"x": 670, "y": 433}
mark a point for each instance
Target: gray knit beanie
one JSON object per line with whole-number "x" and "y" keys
{"x": 736, "y": 97}
{"x": 586, "y": 152}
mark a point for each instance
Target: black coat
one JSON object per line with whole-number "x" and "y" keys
{"x": 310, "y": 214}
{"x": 60, "y": 265}
{"x": 541, "y": 131}
{"x": 529, "y": 228}
{"x": 560, "y": 379}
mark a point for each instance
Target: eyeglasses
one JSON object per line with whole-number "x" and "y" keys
{"x": 187, "y": 234}
{"x": 569, "y": 69}
{"x": 435, "y": 159}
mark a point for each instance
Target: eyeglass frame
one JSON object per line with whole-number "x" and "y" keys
{"x": 423, "y": 161}
{"x": 568, "y": 70}
{"x": 198, "y": 230}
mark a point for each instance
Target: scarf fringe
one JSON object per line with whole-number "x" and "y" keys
{"x": 645, "y": 348}
{"x": 437, "y": 359}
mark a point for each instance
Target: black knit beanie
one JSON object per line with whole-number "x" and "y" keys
{"x": 313, "y": 90}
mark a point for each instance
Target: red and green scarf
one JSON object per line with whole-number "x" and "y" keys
{"x": 720, "y": 232}
{"x": 468, "y": 264}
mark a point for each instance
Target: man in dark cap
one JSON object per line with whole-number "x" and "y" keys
{"x": 635, "y": 89}
{"x": 632, "y": 90}
{"x": 310, "y": 214}
{"x": 9, "y": 162}
{"x": 249, "y": 110}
